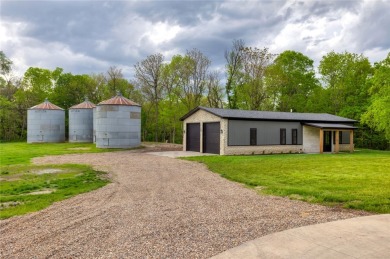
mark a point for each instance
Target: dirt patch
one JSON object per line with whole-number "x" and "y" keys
{"x": 154, "y": 147}
{"x": 10, "y": 179}
{"x": 47, "y": 191}
{"x": 5, "y": 205}
{"x": 48, "y": 171}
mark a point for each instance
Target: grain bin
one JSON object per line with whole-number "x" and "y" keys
{"x": 45, "y": 123}
{"x": 118, "y": 123}
{"x": 81, "y": 122}
{"x": 94, "y": 124}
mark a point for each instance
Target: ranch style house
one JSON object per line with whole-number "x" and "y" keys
{"x": 240, "y": 132}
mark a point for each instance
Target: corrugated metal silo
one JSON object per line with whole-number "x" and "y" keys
{"x": 45, "y": 123}
{"x": 81, "y": 122}
{"x": 118, "y": 123}
{"x": 94, "y": 124}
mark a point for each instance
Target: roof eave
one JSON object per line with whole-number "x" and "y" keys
{"x": 295, "y": 120}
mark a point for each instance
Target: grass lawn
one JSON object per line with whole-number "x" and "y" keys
{"x": 22, "y": 152}
{"x": 360, "y": 180}
{"x": 25, "y": 188}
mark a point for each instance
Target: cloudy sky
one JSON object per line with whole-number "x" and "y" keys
{"x": 90, "y": 36}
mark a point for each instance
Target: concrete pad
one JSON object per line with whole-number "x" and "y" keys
{"x": 362, "y": 237}
{"x": 175, "y": 154}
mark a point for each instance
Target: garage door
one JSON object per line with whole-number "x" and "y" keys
{"x": 193, "y": 137}
{"x": 211, "y": 136}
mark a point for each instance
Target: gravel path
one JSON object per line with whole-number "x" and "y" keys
{"x": 156, "y": 207}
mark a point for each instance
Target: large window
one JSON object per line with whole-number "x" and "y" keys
{"x": 294, "y": 134}
{"x": 282, "y": 136}
{"x": 253, "y": 137}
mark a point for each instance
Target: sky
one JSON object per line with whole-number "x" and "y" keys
{"x": 85, "y": 37}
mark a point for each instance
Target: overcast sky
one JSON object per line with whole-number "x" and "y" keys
{"x": 90, "y": 36}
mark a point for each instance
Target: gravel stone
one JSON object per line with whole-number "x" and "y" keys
{"x": 155, "y": 207}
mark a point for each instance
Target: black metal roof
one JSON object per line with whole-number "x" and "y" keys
{"x": 267, "y": 115}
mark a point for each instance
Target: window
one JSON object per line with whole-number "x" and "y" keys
{"x": 282, "y": 136}
{"x": 294, "y": 134}
{"x": 253, "y": 137}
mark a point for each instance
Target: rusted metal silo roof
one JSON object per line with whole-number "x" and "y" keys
{"x": 119, "y": 100}
{"x": 84, "y": 105}
{"x": 46, "y": 105}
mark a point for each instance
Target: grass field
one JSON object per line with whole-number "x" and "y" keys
{"x": 25, "y": 188}
{"x": 360, "y": 180}
{"x": 21, "y": 152}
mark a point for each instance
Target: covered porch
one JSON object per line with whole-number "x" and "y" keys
{"x": 334, "y": 137}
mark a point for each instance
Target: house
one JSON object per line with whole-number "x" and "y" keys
{"x": 232, "y": 132}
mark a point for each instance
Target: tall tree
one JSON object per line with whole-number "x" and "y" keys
{"x": 233, "y": 59}
{"x": 100, "y": 90}
{"x": 345, "y": 77}
{"x": 214, "y": 90}
{"x": 291, "y": 81}
{"x": 252, "y": 91}
{"x": 7, "y": 84}
{"x": 378, "y": 113}
{"x": 171, "y": 106}
{"x": 5, "y": 64}
{"x": 148, "y": 74}
{"x": 195, "y": 65}
{"x": 114, "y": 79}
{"x": 40, "y": 82}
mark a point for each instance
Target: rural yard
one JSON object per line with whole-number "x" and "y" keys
{"x": 155, "y": 207}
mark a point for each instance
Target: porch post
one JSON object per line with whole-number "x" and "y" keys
{"x": 351, "y": 141}
{"x": 336, "y": 148}
{"x": 321, "y": 141}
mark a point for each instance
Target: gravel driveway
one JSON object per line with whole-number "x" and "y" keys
{"x": 155, "y": 207}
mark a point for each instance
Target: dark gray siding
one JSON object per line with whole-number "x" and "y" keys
{"x": 268, "y": 132}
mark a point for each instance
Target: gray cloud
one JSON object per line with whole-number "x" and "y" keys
{"x": 372, "y": 30}
{"x": 90, "y": 36}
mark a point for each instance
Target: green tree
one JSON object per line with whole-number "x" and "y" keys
{"x": 345, "y": 77}
{"x": 214, "y": 90}
{"x": 378, "y": 113}
{"x": 148, "y": 74}
{"x": 7, "y": 82}
{"x": 72, "y": 89}
{"x": 291, "y": 81}
{"x": 5, "y": 64}
{"x": 39, "y": 83}
{"x": 194, "y": 72}
{"x": 252, "y": 91}
{"x": 233, "y": 66}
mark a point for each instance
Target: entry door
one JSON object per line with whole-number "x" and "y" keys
{"x": 211, "y": 137}
{"x": 193, "y": 137}
{"x": 327, "y": 141}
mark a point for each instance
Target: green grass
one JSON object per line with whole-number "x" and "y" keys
{"x": 21, "y": 152}
{"x": 360, "y": 180}
{"x": 20, "y": 181}
{"x": 18, "y": 185}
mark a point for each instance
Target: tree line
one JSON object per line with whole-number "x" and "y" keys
{"x": 345, "y": 84}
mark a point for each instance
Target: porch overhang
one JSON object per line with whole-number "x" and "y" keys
{"x": 330, "y": 126}
{"x": 333, "y": 127}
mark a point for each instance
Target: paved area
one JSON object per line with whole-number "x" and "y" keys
{"x": 363, "y": 237}
{"x": 155, "y": 207}
{"x": 175, "y": 154}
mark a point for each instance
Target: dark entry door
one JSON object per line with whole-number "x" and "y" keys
{"x": 211, "y": 137}
{"x": 193, "y": 137}
{"x": 327, "y": 141}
